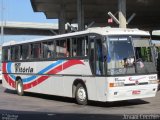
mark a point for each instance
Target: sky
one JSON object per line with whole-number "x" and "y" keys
{"x": 21, "y": 11}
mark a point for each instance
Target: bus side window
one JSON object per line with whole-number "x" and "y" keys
{"x": 51, "y": 50}
{"x": 62, "y": 48}
{"x": 74, "y": 47}
{"x": 36, "y": 50}
{"x": 44, "y": 50}
{"x": 6, "y": 54}
{"x": 17, "y": 52}
{"x": 79, "y": 46}
{"x": 12, "y": 52}
{"x": 82, "y": 46}
{"x": 25, "y": 52}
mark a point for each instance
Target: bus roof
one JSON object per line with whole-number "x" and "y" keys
{"x": 97, "y": 30}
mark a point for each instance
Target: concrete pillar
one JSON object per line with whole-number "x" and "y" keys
{"x": 122, "y": 13}
{"x": 62, "y": 20}
{"x": 80, "y": 15}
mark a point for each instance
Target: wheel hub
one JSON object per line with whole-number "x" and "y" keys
{"x": 19, "y": 88}
{"x": 81, "y": 94}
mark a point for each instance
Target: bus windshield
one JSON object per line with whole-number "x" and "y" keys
{"x": 129, "y": 55}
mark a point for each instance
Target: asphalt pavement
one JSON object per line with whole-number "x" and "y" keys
{"x": 46, "y": 107}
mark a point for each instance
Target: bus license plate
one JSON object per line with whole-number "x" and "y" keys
{"x": 136, "y": 92}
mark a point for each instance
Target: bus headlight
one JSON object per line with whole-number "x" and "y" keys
{"x": 118, "y": 84}
{"x": 153, "y": 81}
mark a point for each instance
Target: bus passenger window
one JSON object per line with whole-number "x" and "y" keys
{"x": 35, "y": 50}
{"x": 6, "y": 54}
{"x": 80, "y": 46}
{"x": 45, "y": 49}
{"x": 12, "y": 53}
{"x": 74, "y": 53}
{"x": 65, "y": 49}
{"x": 25, "y": 52}
{"x": 17, "y": 52}
{"x": 62, "y": 48}
{"x": 74, "y": 47}
{"x": 51, "y": 50}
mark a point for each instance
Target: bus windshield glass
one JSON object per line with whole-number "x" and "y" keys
{"x": 129, "y": 55}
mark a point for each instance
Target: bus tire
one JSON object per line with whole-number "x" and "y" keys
{"x": 81, "y": 94}
{"x": 20, "y": 88}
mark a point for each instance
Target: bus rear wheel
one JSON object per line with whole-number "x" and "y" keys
{"x": 81, "y": 95}
{"x": 20, "y": 88}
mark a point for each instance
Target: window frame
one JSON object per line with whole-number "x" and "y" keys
{"x": 30, "y": 59}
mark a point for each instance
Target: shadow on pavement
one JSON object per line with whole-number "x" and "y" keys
{"x": 43, "y": 96}
{"x": 24, "y": 115}
{"x": 125, "y": 103}
{"x": 10, "y": 91}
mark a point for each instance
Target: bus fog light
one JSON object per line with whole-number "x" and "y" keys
{"x": 153, "y": 81}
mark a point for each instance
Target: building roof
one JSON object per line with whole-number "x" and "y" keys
{"x": 147, "y": 11}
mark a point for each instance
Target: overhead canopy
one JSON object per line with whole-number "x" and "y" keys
{"x": 29, "y": 28}
{"x": 147, "y": 11}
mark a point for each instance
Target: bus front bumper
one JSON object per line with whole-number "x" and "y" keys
{"x": 132, "y": 92}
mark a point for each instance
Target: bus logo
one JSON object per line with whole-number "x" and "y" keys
{"x": 20, "y": 69}
{"x": 135, "y": 79}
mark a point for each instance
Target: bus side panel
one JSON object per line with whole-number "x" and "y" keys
{"x": 96, "y": 88}
{"x": 67, "y": 85}
{"x": 91, "y": 88}
{"x": 101, "y": 86}
{"x": 53, "y": 85}
{"x": 6, "y": 81}
{"x": 6, "y": 84}
{"x": 48, "y": 77}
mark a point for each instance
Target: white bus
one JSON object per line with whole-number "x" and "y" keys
{"x": 99, "y": 64}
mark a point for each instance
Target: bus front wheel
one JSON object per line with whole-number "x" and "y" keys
{"x": 81, "y": 94}
{"x": 20, "y": 88}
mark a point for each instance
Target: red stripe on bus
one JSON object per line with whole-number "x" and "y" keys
{"x": 58, "y": 69}
{"x": 6, "y": 76}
